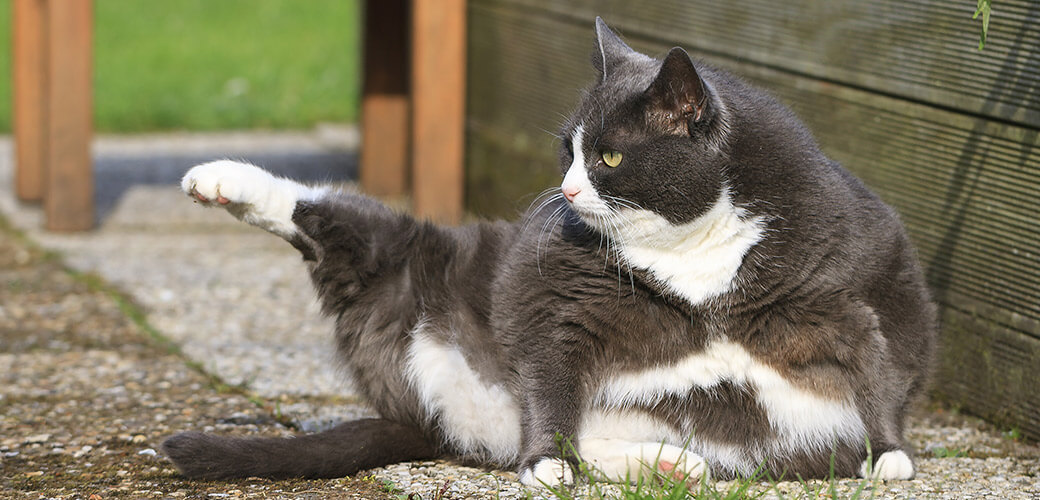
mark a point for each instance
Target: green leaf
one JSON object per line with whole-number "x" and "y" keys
{"x": 984, "y": 7}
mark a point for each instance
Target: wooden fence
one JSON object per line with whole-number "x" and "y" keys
{"x": 412, "y": 106}
{"x": 897, "y": 91}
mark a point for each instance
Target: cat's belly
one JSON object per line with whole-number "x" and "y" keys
{"x": 730, "y": 408}
{"x": 720, "y": 403}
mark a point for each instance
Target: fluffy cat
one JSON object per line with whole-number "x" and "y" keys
{"x": 706, "y": 292}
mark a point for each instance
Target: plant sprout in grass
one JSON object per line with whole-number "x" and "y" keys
{"x": 944, "y": 452}
{"x": 1013, "y": 434}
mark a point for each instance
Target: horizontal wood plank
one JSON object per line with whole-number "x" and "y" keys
{"x": 919, "y": 51}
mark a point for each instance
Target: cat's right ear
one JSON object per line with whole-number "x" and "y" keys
{"x": 611, "y": 51}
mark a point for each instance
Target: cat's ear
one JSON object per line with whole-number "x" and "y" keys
{"x": 678, "y": 98}
{"x": 610, "y": 52}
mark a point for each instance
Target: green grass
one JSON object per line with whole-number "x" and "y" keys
{"x": 208, "y": 65}
{"x": 652, "y": 485}
{"x": 944, "y": 452}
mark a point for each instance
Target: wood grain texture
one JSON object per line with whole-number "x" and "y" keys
{"x": 920, "y": 51}
{"x": 897, "y": 92}
{"x": 385, "y": 119}
{"x": 69, "y": 189}
{"x": 438, "y": 98}
{"x": 27, "y": 84}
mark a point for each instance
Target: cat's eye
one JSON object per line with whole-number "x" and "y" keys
{"x": 612, "y": 158}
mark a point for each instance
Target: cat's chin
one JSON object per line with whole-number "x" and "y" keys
{"x": 598, "y": 220}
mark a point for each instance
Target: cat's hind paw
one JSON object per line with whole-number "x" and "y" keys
{"x": 891, "y": 465}
{"x": 622, "y": 461}
{"x": 682, "y": 466}
{"x": 548, "y": 472}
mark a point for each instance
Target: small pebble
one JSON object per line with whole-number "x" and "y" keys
{"x": 37, "y": 438}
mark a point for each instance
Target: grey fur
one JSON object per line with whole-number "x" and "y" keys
{"x": 832, "y": 297}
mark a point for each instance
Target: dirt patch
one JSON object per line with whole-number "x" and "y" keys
{"x": 88, "y": 396}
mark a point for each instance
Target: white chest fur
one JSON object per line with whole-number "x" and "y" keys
{"x": 697, "y": 260}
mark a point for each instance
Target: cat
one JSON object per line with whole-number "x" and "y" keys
{"x": 706, "y": 293}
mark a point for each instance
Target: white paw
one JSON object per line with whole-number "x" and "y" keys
{"x": 892, "y": 465}
{"x": 680, "y": 464}
{"x": 248, "y": 192}
{"x": 548, "y": 472}
{"x": 620, "y": 461}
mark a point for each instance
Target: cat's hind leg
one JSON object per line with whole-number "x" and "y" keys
{"x": 250, "y": 193}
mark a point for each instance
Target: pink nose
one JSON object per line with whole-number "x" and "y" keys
{"x": 570, "y": 192}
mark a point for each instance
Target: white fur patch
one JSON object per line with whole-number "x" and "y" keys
{"x": 698, "y": 260}
{"x": 625, "y": 425}
{"x": 254, "y": 195}
{"x": 891, "y": 465}
{"x": 475, "y": 416}
{"x": 801, "y": 419}
{"x": 577, "y": 178}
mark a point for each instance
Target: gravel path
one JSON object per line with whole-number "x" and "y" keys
{"x": 237, "y": 301}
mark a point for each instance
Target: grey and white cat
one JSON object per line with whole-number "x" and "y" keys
{"x": 706, "y": 292}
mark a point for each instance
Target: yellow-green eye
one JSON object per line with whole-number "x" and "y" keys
{"x": 612, "y": 158}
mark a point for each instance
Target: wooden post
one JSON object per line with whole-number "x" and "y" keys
{"x": 27, "y": 75}
{"x": 438, "y": 98}
{"x": 69, "y": 186}
{"x": 384, "y": 101}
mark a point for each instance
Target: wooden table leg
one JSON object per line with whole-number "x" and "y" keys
{"x": 438, "y": 105}
{"x": 27, "y": 75}
{"x": 69, "y": 182}
{"x": 384, "y": 102}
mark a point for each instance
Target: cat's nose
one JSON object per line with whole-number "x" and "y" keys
{"x": 570, "y": 192}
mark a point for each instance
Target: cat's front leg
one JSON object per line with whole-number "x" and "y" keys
{"x": 250, "y": 193}
{"x": 551, "y": 412}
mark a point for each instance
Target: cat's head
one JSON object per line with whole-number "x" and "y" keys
{"x": 649, "y": 137}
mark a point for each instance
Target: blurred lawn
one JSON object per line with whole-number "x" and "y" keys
{"x": 216, "y": 64}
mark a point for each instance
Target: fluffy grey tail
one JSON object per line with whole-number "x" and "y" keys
{"x": 340, "y": 451}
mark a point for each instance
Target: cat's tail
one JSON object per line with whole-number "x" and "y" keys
{"x": 341, "y": 451}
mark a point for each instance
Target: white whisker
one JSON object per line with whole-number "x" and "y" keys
{"x": 552, "y": 197}
{"x": 538, "y": 244}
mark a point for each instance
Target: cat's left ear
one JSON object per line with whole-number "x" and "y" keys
{"x": 678, "y": 97}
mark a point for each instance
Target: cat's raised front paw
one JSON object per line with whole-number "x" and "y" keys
{"x": 250, "y": 193}
{"x": 227, "y": 182}
{"x": 548, "y": 472}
